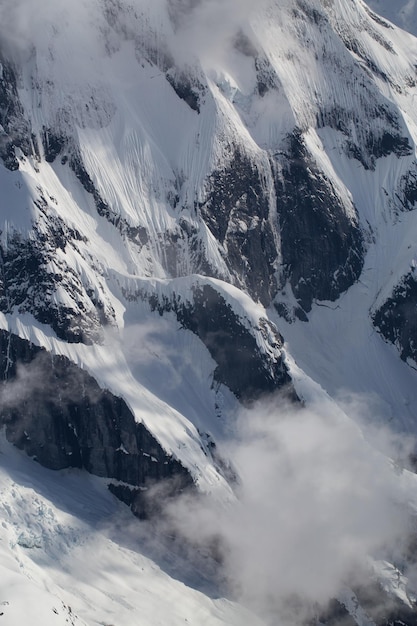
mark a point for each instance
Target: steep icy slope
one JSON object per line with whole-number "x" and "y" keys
{"x": 184, "y": 188}
{"x": 70, "y": 555}
{"x": 403, "y": 13}
{"x": 279, "y": 159}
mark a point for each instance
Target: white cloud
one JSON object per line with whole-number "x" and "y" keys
{"x": 208, "y": 29}
{"x": 76, "y": 31}
{"x": 314, "y": 499}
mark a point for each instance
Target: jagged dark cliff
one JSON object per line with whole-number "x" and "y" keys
{"x": 322, "y": 247}
{"x": 59, "y": 415}
{"x": 396, "y": 319}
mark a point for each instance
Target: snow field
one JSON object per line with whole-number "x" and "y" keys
{"x": 70, "y": 553}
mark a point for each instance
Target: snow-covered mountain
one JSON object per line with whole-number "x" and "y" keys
{"x": 403, "y": 13}
{"x": 207, "y": 207}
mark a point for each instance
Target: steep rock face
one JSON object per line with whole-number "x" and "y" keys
{"x": 384, "y": 608}
{"x": 248, "y": 353}
{"x": 237, "y": 206}
{"x": 305, "y": 237}
{"x": 322, "y": 247}
{"x": 259, "y": 165}
{"x": 237, "y": 212}
{"x": 15, "y": 130}
{"x": 36, "y": 277}
{"x": 58, "y": 414}
{"x": 335, "y": 614}
{"x": 407, "y": 189}
{"x": 241, "y": 365}
{"x": 185, "y": 168}
{"x": 396, "y": 319}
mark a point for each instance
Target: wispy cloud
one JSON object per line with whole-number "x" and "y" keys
{"x": 81, "y": 29}
{"x": 313, "y": 501}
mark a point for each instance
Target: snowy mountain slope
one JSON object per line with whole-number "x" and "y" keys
{"x": 70, "y": 550}
{"x": 208, "y": 198}
{"x": 178, "y": 201}
{"x": 402, "y": 13}
{"x": 75, "y": 554}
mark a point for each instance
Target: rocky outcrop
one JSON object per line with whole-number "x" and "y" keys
{"x": 384, "y": 608}
{"x": 34, "y": 271}
{"x": 15, "y": 130}
{"x": 237, "y": 212}
{"x": 396, "y": 319}
{"x": 407, "y": 189}
{"x": 242, "y": 366}
{"x": 322, "y": 246}
{"x": 58, "y": 414}
{"x": 188, "y": 88}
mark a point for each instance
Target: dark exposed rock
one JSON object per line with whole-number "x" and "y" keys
{"x": 377, "y": 146}
{"x": 31, "y": 272}
{"x": 53, "y": 144}
{"x": 389, "y": 143}
{"x": 227, "y": 188}
{"x": 266, "y": 76}
{"x": 407, "y": 191}
{"x": 237, "y": 211}
{"x": 354, "y": 46}
{"x": 16, "y": 130}
{"x": 241, "y": 365}
{"x": 396, "y": 319}
{"x": 150, "y": 502}
{"x": 58, "y": 414}
{"x": 377, "y": 18}
{"x": 322, "y": 247}
{"x": 17, "y": 134}
{"x": 81, "y": 173}
{"x": 369, "y": 144}
{"x": 382, "y": 609}
{"x": 187, "y": 87}
{"x": 385, "y": 609}
{"x": 384, "y": 132}
{"x": 312, "y": 13}
{"x": 182, "y": 243}
{"x": 244, "y": 45}
{"x": 289, "y": 313}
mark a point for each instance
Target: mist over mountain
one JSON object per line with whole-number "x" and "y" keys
{"x": 208, "y": 299}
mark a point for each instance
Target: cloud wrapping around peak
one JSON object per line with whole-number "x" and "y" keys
{"x": 69, "y": 50}
{"x": 191, "y": 28}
